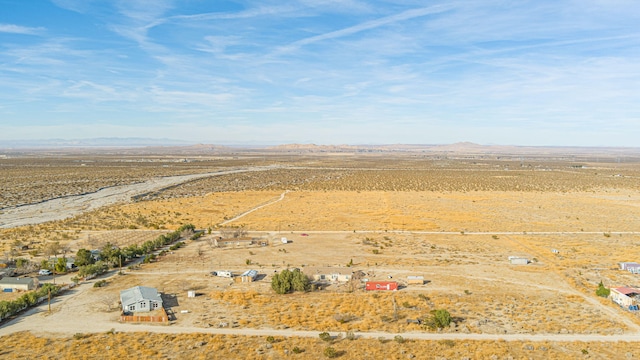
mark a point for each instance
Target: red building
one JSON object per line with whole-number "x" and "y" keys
{"x": 381, "y": 285}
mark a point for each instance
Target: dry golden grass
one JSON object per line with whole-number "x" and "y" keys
{"x": 613, "y": 210}
{"x": 468, "y": 273}
{"x": 203, "y": 346}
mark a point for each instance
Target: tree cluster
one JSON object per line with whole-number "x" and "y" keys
{"x": 113, "y": 255}
{"x": 289, "y": 281}
{"x": 8, "y": 308}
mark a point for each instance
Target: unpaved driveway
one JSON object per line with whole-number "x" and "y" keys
{"x": 65, "y": 207}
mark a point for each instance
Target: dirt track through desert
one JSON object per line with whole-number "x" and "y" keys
{"x": 65, "y": 207}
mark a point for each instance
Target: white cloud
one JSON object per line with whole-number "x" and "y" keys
{"x": 368, "y": 25}
{"x": 23, "y": 30}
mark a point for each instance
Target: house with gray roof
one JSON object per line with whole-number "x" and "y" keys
{"x": 17, "y": 283}
{"x": 140, "y": 299}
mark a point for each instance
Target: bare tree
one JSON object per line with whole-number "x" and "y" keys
{"x": 234, "y": 232}
{"x": 212, "y": 241}
{"x": 226, "y": 233}
{"x": 109, "y": 301}
{"x": 184, "y": 285}
{"x": 52, "y": 249}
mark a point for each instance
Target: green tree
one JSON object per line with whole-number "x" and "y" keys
{"x": 45, "y": 264}
{"x": 602, "y": 291}
{"x": 289, "y": 281}
{"x": 93, "y": 269}
{"x": 439, "y": 319}
{"x": 325, "y": 336}
{"x": 132, "y": 251}
{"x": 442, "y": 318}
{"x": 61, "y": 265}
{"x": 83, "y": 257}
{"x": 300, "y": 282}
{"x": 21, "y": 263}
{"x": 111, "y": 254}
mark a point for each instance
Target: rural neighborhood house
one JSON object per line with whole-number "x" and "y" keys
{"x": 624, "y": 296}
{"x": 9, "y": 284}
{"x": 140, "y": 299}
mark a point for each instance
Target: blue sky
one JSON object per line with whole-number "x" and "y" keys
{"x": 536, "y": 72}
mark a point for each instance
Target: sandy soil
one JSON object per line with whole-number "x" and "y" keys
{"x": 467, "y": 274}
{"x": 66, "y": 207}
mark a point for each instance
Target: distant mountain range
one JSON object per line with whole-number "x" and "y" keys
{"x": 173, "y": 146}
{"x": 96, "y": 142}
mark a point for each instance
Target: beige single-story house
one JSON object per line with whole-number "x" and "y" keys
{"x": 329, "y": 273}
{"x": 415, "y": 280}
{"x": 17, "y": 283}
{"x": 624, "y": 296}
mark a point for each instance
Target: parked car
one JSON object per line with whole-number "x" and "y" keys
{"x": 44, "y": 272}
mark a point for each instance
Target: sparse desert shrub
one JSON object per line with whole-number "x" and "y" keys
{"x": 399, "y": 339}
{"x": 271, "y": 339}
{"x": 407, "y": 305}
{"x": 350, "y": 335}
{"x": 325, "y": 336}
{"x": 330, "y": 352}
{"x": 448, "y": 342}
{"x": 297, "y": 350}
{"x": 344, "y": 318}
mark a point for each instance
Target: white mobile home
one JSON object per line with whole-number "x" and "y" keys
{"x": 329, "y": 273}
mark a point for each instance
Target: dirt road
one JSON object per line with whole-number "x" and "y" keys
{"x": 75, "y": 313}
{"x": 65, "y": 207}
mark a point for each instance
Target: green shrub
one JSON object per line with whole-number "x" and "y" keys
{"x": 602, "y": 291}
{"x": 330, "y": 352}
{"x": 271, "y": 339}
{"x": 438, "y": 319}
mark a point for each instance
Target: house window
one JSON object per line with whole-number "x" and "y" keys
{"x": 143, "y": 305}
{"x": 155, "y": 305}
{"x": 132, "y": 308}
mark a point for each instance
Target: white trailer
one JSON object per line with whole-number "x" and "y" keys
{"x": 223, "y": 273}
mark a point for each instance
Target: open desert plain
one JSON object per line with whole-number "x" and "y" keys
{"x": 505, "y": 253}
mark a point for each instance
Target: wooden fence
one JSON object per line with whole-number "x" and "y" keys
{"x": 164, "y": 318}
